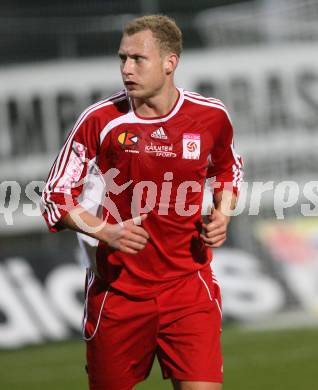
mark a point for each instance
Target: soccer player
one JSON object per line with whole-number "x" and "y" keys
{"x": 150, "y": 290}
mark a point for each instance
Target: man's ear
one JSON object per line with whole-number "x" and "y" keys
{"x": 171, "y": 62}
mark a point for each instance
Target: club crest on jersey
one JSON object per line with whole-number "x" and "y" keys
{"x": 127, "y": 138}
{"x": 191, "y": 146}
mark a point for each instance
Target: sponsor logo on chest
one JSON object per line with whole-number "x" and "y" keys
{"x": 191, "y": 146}
{"x": 128, "y": 141}
{"x": 160, "y": 150}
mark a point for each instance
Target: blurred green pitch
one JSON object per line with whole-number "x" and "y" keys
{"x": 276, "y": 360}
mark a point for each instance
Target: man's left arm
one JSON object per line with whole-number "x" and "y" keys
{"x": 226, "y": 170}
{"x": 215, "y": 228}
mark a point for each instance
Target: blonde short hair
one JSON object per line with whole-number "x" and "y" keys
{"x": 164, "y": 29}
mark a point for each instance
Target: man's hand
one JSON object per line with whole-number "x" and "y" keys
{"x": 215, "y": 230}
{"x": 127, "y": 237}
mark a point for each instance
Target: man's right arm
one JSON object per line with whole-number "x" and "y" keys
{"x": 60, "y": 205}
{"x": 126, "y": 237}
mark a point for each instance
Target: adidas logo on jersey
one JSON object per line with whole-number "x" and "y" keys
{"x": 159, "y": 134}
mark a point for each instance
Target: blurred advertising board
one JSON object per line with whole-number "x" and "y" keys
{"x": 42, "y": 282}
{"x": 293, "y": 246}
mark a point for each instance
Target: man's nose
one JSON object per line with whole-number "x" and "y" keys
{"x": 127, "y": 67}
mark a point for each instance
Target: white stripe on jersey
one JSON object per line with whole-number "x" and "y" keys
{"x": 85, "y": 317}
{"x": 237, "y": 168}
{"x": 208, "y": 104}
{"x": 213, "y": 276}
{"x": 198, "y": 96}
{"x": 90, "y": 279}
{"x": 206, "y": 286}
{"x": 237, "y": 176}
{"x": 83, "y": 116}
{"x": 131, "y": 117}
{"x": 57, "y": 169}
{"x": 54, "y": 215}
{"x": 218, "y": 305}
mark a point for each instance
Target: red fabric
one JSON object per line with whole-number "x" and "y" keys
{"x": 194, "y": 141}
{"x": 182, "y": 325}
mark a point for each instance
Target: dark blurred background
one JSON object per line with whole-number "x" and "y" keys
{"x": 39, "y": 30}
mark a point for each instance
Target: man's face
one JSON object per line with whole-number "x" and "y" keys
{"x": 142, "y": 65}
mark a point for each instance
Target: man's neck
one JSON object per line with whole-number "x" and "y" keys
{"x": 159, "y": 105}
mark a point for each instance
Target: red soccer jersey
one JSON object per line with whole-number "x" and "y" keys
{"x": 154, "y": 165}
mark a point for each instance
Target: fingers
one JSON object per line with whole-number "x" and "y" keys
{"x": 129, "y": 250}
{"x": 140, "y": 231}
{"x": 209, "y": 233}
{"x": 217, "y": 219}
{"x": 214, "y": 213}
{"x": 131, "y": 225}
{"x": 213, "y": 226}
{"x": 133, "y": 238}
{"x": 215, "y": 216}
{"x": 218, "y": 216}
{"x": 131, "y": 244}
{"x": 215, "y": 231}
{"x": 215, "y": 241}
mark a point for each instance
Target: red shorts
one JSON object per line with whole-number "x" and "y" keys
{"x": 182, "y": 326}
